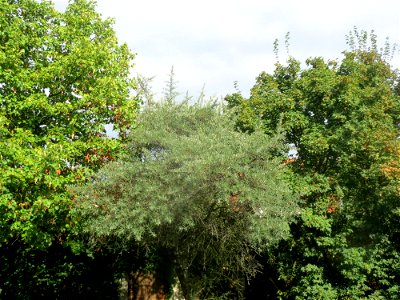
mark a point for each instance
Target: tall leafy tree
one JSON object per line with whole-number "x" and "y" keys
{"x": 342, "y": 118}
{"x": 208, "y": 196}
{"x": 63, "y": 77}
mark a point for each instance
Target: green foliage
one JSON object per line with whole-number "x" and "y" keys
{"x": 192, "y": 185}
{"x": 342, "y": 118}
{"x": 170, "y": 90}
{"x": 63, "y": 77}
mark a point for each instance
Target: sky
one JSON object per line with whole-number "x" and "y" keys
{"x": 214, "y": 43}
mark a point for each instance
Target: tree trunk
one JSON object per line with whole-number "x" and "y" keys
{"x": 131, "y": 286}
{"x": 145, "y": 286}
{"x": 187, "y": 290}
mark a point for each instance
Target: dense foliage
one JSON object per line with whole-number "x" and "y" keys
{"x": 63, "y": 77}
{"x": 209, "y": 196}
{"x": 201, "y": 193}
{"x": 343, "y": 120}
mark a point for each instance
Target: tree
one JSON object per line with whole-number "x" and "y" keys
{"x": 208, "y": 196}
{"x": 63, "y": 77}
{"x": 342, "y": 118}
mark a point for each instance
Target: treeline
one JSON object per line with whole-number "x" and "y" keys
{"x": 292, "y": 193}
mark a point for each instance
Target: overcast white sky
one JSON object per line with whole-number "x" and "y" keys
{"x": 217, "y": 42}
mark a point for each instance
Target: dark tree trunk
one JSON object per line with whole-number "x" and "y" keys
{"x": 131, "y": 286}
{"x": 187, "y": 291}
{"x": 145, "y": 286}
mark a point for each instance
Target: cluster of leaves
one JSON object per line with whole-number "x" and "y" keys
{"x": 63, "y": 77}
{"x": 188, "y": 193}
{"x": 192, "y": 185}
{"x": 342, "y": 119}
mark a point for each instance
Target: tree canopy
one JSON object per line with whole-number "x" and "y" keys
{"x": 192, "y": 185}
{"x": 342, "y": 119}
{"x": 93, "y": 187}
{"x": 63, "y": 77}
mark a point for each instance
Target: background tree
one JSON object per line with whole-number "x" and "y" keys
{"x": 63, "y": 76}
{"x": 342, "y": 118}
{"x": 208, "y": 196}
